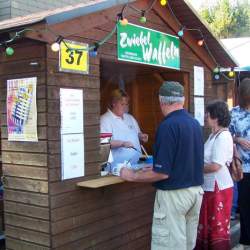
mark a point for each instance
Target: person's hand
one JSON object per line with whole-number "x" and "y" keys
{"x": 127, "y": 144}
{"x": 243, "y": 142}
{"x": 147, "y": 167}
{"x": 127, "y": 174}
{"x": 143, "y": 137}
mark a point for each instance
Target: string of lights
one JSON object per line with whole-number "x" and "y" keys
{"x": 202, "y": 42}
{"x": 122, "y": 20}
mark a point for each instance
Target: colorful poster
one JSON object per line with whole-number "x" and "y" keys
{"x": 21, "y": 109}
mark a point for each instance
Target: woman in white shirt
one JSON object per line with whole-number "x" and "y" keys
{"x": 214, "y": 223}
{"x": 126, "y": 134}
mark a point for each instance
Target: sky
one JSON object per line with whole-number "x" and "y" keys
{"x": 198, "y": 3}
{"x": 237, "y": 47}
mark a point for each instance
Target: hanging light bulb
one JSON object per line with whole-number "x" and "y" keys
{"x": 181, "y": 32}
{"x": 163, "y": 2}
{"x": 200, "y": 42}
{"x": 216, "y": 70}
{"x": 231, "y": 74}
{"x": 123, "y": 21}
{"x": 143, "y": 19}
{"x": 93, "y": 52}
{"x": 9, "y": 51}
{"x": 55, "y": 47}
{"x": 217, "y": 76}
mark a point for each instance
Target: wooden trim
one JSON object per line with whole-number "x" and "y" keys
{"x": 49, "y": 33}
{"x": 188, "y": 39}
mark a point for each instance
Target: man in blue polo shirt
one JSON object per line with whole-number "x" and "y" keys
{"x": 177, "y": 173}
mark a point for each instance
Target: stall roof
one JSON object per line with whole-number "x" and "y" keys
{"x": 60, "y": 14}
{"x": 184, "y": 13}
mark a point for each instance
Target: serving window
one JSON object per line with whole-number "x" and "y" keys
{"x": 142, "y": 83}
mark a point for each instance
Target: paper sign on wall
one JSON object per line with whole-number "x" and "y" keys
{"x": 198, "y": 81}
{"x": 72, "y": 147}
{"x": 71, "y": 104}
{"x": 199, "y": 109}
{"x": 21, "y": 109}
{"x": 72, "y": 136}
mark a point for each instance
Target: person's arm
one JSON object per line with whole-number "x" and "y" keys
{"x": 222, "y": 152}
{"x": 141, "y": 176}
{"x": 118, "y": 144}
{"x": 242, "y": 142}
{"x": 210, "y": 168}
{"x": 142, "y": 136}
{"x": 106, "y": 127}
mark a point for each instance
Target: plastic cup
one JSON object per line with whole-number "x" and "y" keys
{"x": 149, "y": 159}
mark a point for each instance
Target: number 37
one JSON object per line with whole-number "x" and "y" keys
{"x": 74, "y": 55}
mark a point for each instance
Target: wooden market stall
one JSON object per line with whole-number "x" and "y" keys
{"x": 41, "y": 210}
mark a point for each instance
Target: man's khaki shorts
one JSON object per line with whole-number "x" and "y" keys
{"x": 175, "y": 219}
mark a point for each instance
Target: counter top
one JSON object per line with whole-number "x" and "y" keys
{"x": 100, "y": 182}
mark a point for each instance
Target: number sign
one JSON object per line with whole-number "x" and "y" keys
{"x": 74, "y": 57}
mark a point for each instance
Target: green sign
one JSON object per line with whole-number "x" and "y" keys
{"x": 147, "y": 46}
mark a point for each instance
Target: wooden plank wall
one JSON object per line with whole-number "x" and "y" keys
{"x": 26, "y": 201}
{"x": 106, "y": 218}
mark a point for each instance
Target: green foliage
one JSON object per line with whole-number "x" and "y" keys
{"x": 227, "y": 20}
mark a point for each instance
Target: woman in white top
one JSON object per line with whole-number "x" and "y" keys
{"x": 214, "y": 223}
{"x": 126, "y": 134}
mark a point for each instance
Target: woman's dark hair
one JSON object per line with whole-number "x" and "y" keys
{"x": 244, "y": 93}
{"x": 219, "y": 110}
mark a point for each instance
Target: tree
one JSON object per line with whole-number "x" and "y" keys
{"x": 227, "y": 19}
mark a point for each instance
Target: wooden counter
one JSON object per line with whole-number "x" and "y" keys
{"x": 100, "y": 182}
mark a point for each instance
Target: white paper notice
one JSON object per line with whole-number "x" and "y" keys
{"x": 71, "y": 105}
{"x": 72, "y": 147}
{"x": 199, "y": 109}
{"x": 198, "y": 81}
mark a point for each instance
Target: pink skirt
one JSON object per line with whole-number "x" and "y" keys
{"x": 214, "y": 223}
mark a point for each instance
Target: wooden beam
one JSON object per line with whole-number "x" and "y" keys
{"x": 49, "y": 33}
{"x": 188, "y": 39}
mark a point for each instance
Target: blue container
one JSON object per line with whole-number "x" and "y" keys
{"x": 149, "y": 159}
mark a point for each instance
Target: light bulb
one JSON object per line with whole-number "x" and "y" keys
{"x": 163, "y": 2}
{"x": 124, "y": 21}
{"x": 180, "y": 33}
{"x": 200, "y": 42}
{"x": 216, "y": 76}
{"x": 143, "y": 19}
{"x": 93, "y": 53}
{"x": 216, "y": 70}
{"x": 231, "y": 74}
{"x": 9, "y": 51}
{"x": 55, "y": 47}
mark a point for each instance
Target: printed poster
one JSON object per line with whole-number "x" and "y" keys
{"x": 21, "y": 109}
